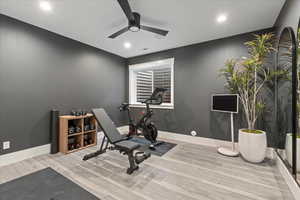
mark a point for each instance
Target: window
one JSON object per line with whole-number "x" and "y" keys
{"x": 145, "y": 77}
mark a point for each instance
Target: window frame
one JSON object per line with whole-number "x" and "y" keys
{"x": 144, "y": 66}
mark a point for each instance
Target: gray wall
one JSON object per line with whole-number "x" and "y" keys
{"x": 196, "y": 78}
{"x": 40, "y": 70}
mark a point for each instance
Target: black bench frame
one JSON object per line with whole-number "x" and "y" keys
{"x": 118, "y": 142}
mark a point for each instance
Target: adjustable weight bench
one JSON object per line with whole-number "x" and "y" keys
{"x": 117, "y": 141}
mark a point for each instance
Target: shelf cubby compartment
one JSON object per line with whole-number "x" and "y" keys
{"x": 89, "y": 139}
{"x": 74, "y": 125}
{"x": 89, "y": 124}
{"x": 75, "y": 143}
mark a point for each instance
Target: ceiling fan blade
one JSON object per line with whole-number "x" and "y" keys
{"x": 127, "y": 10}
{"x": 155, "y": 30}
{"x": 118, "y": 33}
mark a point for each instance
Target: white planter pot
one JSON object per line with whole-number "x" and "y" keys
{"x": 289, "y": 150}
{"x": 252, "y": 146}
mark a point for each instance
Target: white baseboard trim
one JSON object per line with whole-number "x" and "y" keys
{"x": 291, "y": 182}
{"x": 194, "y": 139}
{"x": 199, "y": 140}
{"x": 18, "y": 156}
{"x": 205, "y": 141}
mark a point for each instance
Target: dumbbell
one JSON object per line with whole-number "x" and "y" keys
{"x": 71, "y": 147}
{"x": 71, "y": 130}
{"x": 76, "y": 113}
{"x": 77, "y": 129}
{"x": 92, "y": 126}
{"x": 73, "y": 113}
{"x": 86, "y": 127}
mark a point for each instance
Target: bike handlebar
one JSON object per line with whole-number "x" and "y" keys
{"x": 124, "y": 106}
{"x": 150, "y": 101}
{"x": 155, "y": 99}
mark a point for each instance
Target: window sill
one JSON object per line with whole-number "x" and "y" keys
{"x": 169, "y": 107}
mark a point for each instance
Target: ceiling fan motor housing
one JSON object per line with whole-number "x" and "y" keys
{"x": 135, "y": 24}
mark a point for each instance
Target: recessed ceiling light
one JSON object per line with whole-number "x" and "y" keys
{"x": 127, "y": 45}
{"x": 221, "y": 18}
{"x": 45, "y": 5}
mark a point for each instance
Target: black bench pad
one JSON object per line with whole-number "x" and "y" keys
{"x": 127, "y": 145}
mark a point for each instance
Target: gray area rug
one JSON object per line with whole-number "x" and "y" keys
{"x": 160, "y": 150}
{"x": 46, "y": 184}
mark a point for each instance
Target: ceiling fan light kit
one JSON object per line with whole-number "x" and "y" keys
{"x": 135, "y": 25}
{"x": 134, "y": 22}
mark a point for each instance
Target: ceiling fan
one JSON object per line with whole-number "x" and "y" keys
{"x": 134, "y": 24}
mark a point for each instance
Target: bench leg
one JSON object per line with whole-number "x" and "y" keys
{"x": 92, "y": 155}
{"x": 132, "y": 165}
{"x": 99, "y": 152}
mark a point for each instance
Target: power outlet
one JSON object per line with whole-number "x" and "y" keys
{"x": 193, "y": 133}
{"x": 6, "y": 145}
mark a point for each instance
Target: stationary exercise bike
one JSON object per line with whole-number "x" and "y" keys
{"x": 144, "y": 125}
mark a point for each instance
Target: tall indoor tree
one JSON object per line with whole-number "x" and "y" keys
{"x": 248, "y": 75}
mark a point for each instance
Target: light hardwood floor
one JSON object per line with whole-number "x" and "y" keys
{"x": 187, "y": 172}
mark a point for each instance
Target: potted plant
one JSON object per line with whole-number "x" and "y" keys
{"x": 247, "y": 77}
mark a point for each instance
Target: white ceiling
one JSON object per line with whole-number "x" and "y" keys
{"x": 189, "y": 21}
